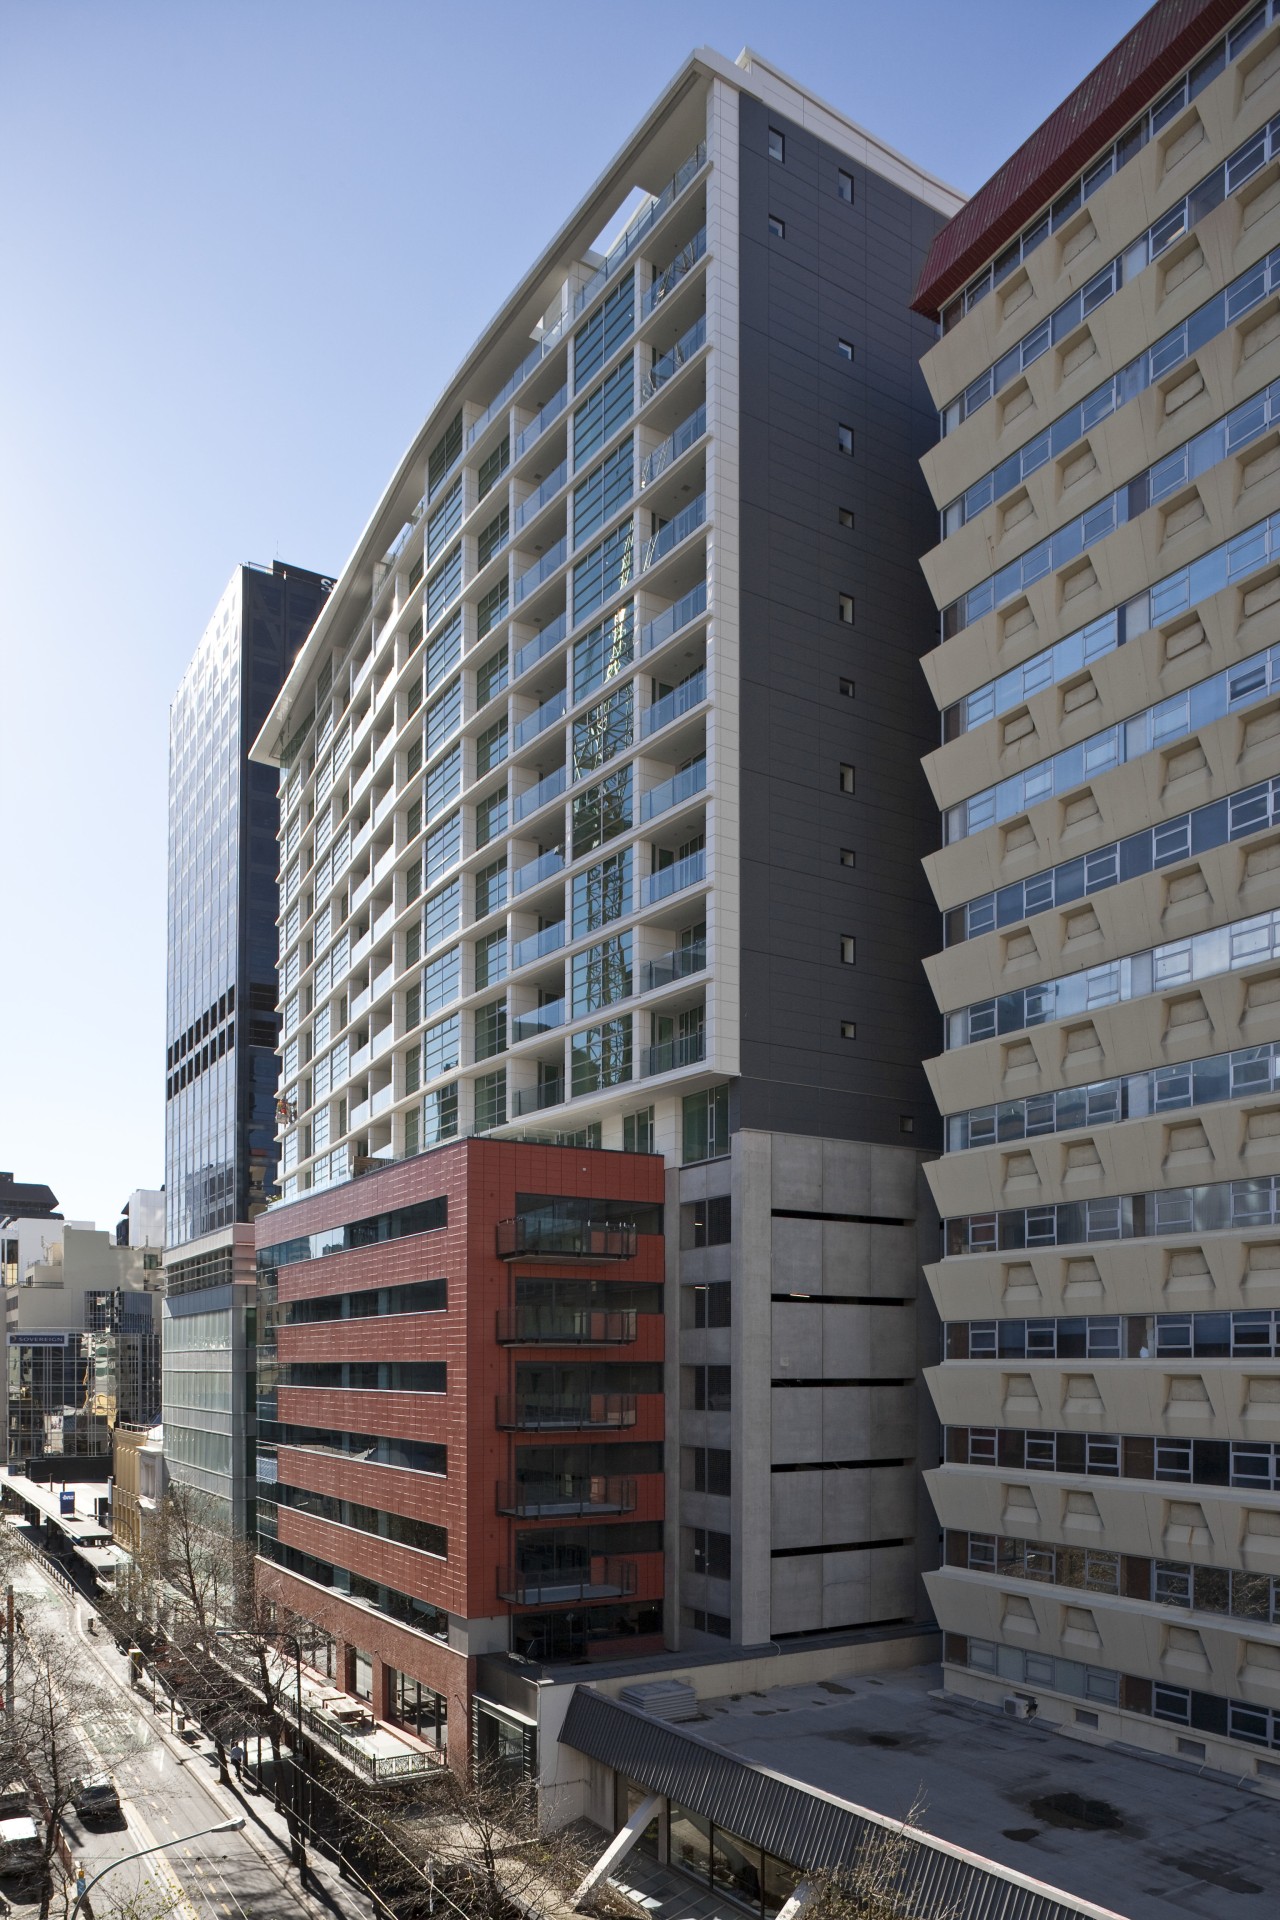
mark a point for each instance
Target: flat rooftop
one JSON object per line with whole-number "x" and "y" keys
{"x": 1186, "y": 1842}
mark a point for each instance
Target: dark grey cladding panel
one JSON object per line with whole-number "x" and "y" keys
{"x": 808, "y": 1829}
{"x": 839, "y": 272}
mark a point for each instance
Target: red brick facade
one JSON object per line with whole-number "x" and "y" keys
{"x": 481, "y": 1180}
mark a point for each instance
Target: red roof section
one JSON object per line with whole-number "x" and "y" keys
{"x": 1152, "y": 54}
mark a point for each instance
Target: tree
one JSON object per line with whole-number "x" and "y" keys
{"x": 876, "y": 1883}
{"x": 41, "y": 1738}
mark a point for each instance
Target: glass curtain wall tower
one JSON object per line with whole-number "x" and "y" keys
{"x": 220, "y": 1079}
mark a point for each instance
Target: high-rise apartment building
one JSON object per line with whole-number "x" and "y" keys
{"x": 1108, "y": 384}
{"x": 220, "y": 1070}
{"x": 602, "y": 819}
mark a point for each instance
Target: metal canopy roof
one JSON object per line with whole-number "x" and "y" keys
{"x": 798, "y": 1824}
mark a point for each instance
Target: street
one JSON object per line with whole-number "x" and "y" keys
{"x": 167, "y": 1790}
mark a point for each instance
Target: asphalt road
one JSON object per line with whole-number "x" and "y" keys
{"x": 166, "y": 1792}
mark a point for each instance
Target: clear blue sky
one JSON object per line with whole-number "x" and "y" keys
{"x": 244, "y": 242}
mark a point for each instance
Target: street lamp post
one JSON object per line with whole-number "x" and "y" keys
{"x": 223, "y": 1826}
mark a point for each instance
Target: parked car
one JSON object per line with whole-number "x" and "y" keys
{"x": 21, "y": 1848}
{"x": 15, "y": 1798}
{"x": 95, "y": 1797}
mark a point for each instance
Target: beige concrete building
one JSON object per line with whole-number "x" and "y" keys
{"x": 1108, "y": 674}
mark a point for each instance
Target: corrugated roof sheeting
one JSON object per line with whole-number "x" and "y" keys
{"x": 1164, "y": 42}
{"x": 798, "y": 1824}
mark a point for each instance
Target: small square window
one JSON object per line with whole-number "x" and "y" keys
{"x": 848, "y": 950}
{"x": 906, "y": 1123}
{"x": 778, "y": 228}
{"x": 846, "y": 187}
{"x": 847, "y": 778}
{"x": 844, "y": 438}
{"x": 846, "y": 349}
{"x": 777, "y": 145}
{"x": 848, "y": 1029}
{"x": 847, "y": 688}
{"x": 846, "y": 516}
{"x": 848, "y": 857}
{"x": 846, "y": 608}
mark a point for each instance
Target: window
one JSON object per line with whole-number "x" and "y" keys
{"x": 491, "y": 1100}
{"x": 848, "y": 950}
{"x": 493, "y": 537}
{"x": 490, "y": 1030}
{"x": 705, "y": 1118}
{"x": 713, "y": 1304}
{"x": 440, "y": 981}
{"x": 493, "y": 468}
{"x": 845, "y": 349}
{"x": 846, "y": 516}
{"x": 844, "y": 438}
{"x": 846, "y": 609}
{"x": 492, "y": 605}
{"x": 605, "y": 651}
{"x": 491, "y": 888}
{"x": 711, "y": 1469}
{"x": 848, "y": 857}
{"x": 601, "y": 1056}
{"x": 778, "y": 228}
{"x": 848, "y": 778}
{"x": 491, "y": 960}
{"x": 602, "y": 893}
{"x": 711, "y": 1553}
{"x": 844, "y": 186}
{"x": 491, "y": 817}
{"x": 707, "y": 1223}
{"x": 777, "y": 146}
{"x": 848, "y": 1029}
{"x": 637, "y": 1131}
{"x": 599, "y": 975}
{"x": 491, "y": 748}
{"x": 847, "y": 688}
{"x": 712, "y": 1389}
{"x": 491, "y": 678}
{"x": 906, "y": 1124}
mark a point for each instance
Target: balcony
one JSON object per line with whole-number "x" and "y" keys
{"x": 674, "y": 879}
{"x": 539, "y": 796}
{"x": 670, "y": 1054}
{"x": 670, "y": 363}
{"x": 680, "y": 787}
{"x": 534, "y": 872}
{"x": 532, "y": 1326}
{"x": 685, "y": 610}
{"x": 344, "y": 1724}
{"x": 541, "y": 570}
{"x": 671, "y": 276}
{"x": 539, "y": 720}
{"x": 534, "y": 650}
{"x": 685, "y": 436}
{"x": 541, "y": 420}
{"x": 557, "y": 1236}
{"x": 602, "y": 1577}
{"x": 533, "y": 1099}
{"x": 676, "y": 965}
{"x": 528, "y": 509}
{"x": 540, "y": 1021}
{"x": 690, "y": 693}
{"x": 538, "y": 945}
{"x": 647, "y": 218}
{"x": 687, "y": 521}
{"x": 564, "y": 1412}
{"x": 566, "y": 1496}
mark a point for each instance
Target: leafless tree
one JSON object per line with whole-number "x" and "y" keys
{"x": 42, "y": 1739}
{"x": 876, "y": 1883}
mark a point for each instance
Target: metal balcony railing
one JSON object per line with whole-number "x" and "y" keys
{"x": 534, "y": 1099}
{"x": 564, "y": 1412}
{"x": 670, "y": 363}
{"x": 676, "y": 965}
{"x": 547, "y": 1326}
{"x": 601, "y": 1577}
{"x": 686, "y": 434}
{"x": 564, "y": 1496}
{"x": 558, "y": 1236}
{"x": 671, "y": 276}
{"x": 669, "y": 1054}
{"x": 685, "y": 609}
